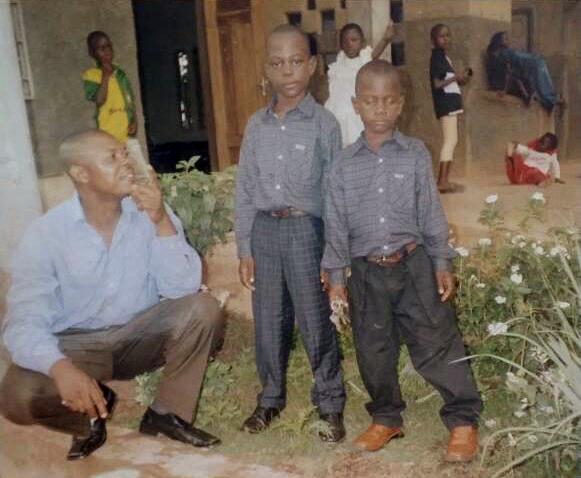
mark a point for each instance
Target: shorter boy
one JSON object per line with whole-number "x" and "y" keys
{"x": 536, "y": 163}
{"x": 384, "y": 220}
{"x": 109, "y": 88}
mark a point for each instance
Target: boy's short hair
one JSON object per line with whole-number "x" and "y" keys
{"x": 92, "y": 40}
{"x": 350, "y": 26}
{"x": 551, "y": 139}
{"x": 434, "y": 32}
{"x": 378, "y": 67}
{"x": 287, "y": 28}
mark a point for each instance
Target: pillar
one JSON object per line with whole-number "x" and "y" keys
{"x": 20, "y": 199}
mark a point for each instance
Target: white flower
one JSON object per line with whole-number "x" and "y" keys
{"x": 519, "y": 414}
{"x": 533, "y": 438}
{"x": 491, "y": 199}
{"x": 499, "y": 299}
{"x": 538, "y": 196}
{"x": 514, "y": 268}
{"x": 517, "y": 238}
{"x": 539, "y": 251}
{"x": 522, "y": 244}
{"x": 484, "y": 241}
{"x": 516, "y": 278}
{"x": 497, "y": 328}
{"x": 547, "y": 409}
{"x": 563, "y": 305}
{"x": 481, "y": 285}
{"x": 490, "y": 423}
{"x": 462, "y": 251}
{"x": 511, "y": 440}
{"x": 174, "y": 191}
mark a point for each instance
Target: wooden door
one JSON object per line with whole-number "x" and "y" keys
{"x": 235, "y": 42}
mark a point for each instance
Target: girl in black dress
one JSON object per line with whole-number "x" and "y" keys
{"x": 445, "y": 81}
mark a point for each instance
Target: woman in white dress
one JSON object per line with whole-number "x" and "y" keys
{"x": 353, "y": 55}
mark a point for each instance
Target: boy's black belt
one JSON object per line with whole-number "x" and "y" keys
{"x": 287, "y": 212}
{"x": 392, "y": 259}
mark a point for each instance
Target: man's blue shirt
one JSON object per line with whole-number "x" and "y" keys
{"x": 64, "y": 276}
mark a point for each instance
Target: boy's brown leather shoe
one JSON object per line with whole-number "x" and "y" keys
{"x": 376, "y": 437}
{"x": 462, "y": 445}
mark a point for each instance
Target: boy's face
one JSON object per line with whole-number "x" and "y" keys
{"x": 103, "y": 50}
{"x": 289, "y": 65}
{"x": 379, "y": 102}
{"x": 545, "y": 143}
{"x": 443, "y": 38}
{"x": 352, "y": 42}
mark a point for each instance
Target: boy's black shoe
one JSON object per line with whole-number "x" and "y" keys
{"x": 175, "y": 428}
{"x": 260, "y": 419}
{"x": 82, "y": 447}
{"x": 335, "y": 431}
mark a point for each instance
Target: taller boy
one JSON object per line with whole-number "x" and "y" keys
{"x": 287, "y": 150}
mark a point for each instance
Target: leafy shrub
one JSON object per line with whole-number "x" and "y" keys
{"x": 203, "y": 202}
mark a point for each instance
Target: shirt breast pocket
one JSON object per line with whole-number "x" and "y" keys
{"x": 402, "y": 191}
{"x": 304, "y": 166}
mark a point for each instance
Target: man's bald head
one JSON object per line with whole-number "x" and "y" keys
{"x": 375, "y": 69}
{"x": 81, "y": 147}
{"x": 289, "y": 30}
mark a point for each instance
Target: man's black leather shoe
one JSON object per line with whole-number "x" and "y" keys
{"x": 82, "y": 447}
{"x": 175, "y": 428}
{"x": 335, "y": 431}
{"x": 260, "y": 419}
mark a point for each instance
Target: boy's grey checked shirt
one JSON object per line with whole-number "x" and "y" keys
{"x": 376, "y": 203}
{"x": 284, "y": 163}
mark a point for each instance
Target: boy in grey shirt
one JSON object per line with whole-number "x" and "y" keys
{"x": 286, "y": 152}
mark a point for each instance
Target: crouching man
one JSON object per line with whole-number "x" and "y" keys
{"x": 84, "y": 306}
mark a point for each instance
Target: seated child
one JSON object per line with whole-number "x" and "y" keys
{"x": 109, "y": 88}
{"x": 353, "y": 55}
{"x": 384, "y": 220}
{"x": 536, "y": 163}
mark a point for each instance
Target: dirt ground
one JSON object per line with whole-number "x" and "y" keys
{"x": 284, "y": 452}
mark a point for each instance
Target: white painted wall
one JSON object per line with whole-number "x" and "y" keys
{"x": 19, "y": 195}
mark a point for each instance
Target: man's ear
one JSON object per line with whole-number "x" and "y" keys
{"x": 79, "y": 174}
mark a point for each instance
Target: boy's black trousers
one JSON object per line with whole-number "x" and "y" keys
{"x": 402, "y": 301}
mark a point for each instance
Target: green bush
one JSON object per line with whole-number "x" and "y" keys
{"x": 203, "y": 202}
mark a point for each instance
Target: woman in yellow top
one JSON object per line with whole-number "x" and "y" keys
{"x": 108, "y": 86}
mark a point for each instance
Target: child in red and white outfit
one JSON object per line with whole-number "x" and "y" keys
{"x": 536, "y": 163}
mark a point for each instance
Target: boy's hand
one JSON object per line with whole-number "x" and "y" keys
{"x": 246, "y": 272}
{"x": 324, "y": 276}
{"x": 132, "y": 128}
{"x": 446, "y": 284}
{"x": 559, "y": 181}
{"x": 389, "y": 32}
{"x": 338, "y": 292}
{"x": 148, "y": 198}
{"x": 79, "y": 392}
{"x": 107, "y": 69}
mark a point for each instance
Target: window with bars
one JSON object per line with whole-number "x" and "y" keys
{"x": 22, "y": 49}
{"x": 294, "y": 18}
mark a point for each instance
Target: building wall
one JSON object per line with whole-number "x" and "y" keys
{"x": 490, "y": 122}
{"x": 56, "y": 33}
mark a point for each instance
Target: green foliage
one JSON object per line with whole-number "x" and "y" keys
{"x": 203, "y": 202}
{"x": 518, "y": 303}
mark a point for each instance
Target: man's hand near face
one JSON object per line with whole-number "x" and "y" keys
{"x": 148, "y": 198}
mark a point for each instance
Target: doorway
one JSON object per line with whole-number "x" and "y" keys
{"x": 235, "y": 42}
{"x": 168, "y": 51}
